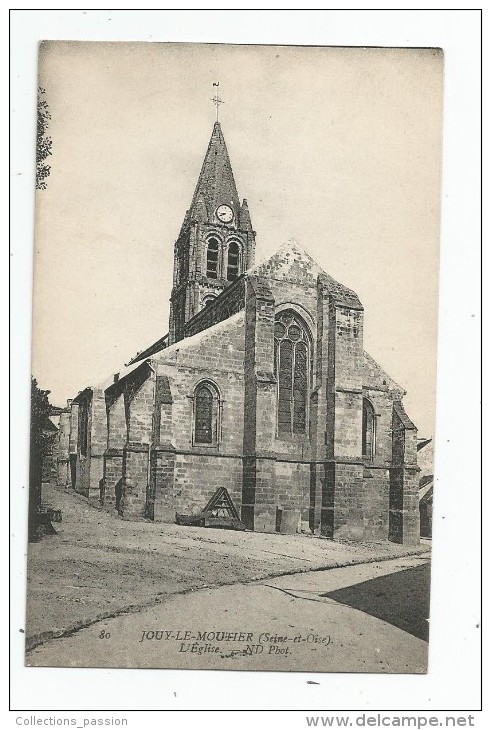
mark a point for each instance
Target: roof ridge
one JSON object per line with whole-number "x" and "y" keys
{"x": 342, "y": 294}
{"x": 384, "y": 373}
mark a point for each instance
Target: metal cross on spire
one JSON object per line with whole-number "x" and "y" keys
{"x": 216, "y": 99}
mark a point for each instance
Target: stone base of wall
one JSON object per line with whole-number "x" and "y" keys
{"x": 89, "y": 473}
{"x": 197, "y": 476}
{"x": 73, "y": 471}
{"x": 113, "y": 474}
{"x": 337, "y": 500}
{"x": 404, "y": 525}
{"x": 354, "y": 501}
{"x": 63, "y": 473}
{"x": 161, "y": 505}
{"x": 133, "y": 504}
{"x": 375, "y": 502}
{"x": 289, "y": 521}
{"x": 82, "y": 469}
{"x": 348, "y": 501}
{"x": 96, "y": 482}
{"x": 275, "y": 494}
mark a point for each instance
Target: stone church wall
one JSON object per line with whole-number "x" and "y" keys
{"x": 198, "y": 476}
{"x": 292, "y": 493}
{"x": 303, "y": 298}
{"x": 63, "y": 438}
{"x": 117, "y": 438}
{"x": 89, "y": 467}
{"x": 375, "y": 501}
{"x": 376, "y": 481}
{"x": 198, "y": 470}
{"x": 139, "y": 398}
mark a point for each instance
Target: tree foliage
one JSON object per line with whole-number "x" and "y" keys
{"x": 40, "y": 410}
{"x": 43, "y": 141}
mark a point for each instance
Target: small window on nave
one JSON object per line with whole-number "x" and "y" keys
{"x": 292, "y": 369}
{"x": 212, "y": 251}
{"x": 206, "y": 415}
{"x": 233, "y": 261}
{"x": 368, "y": 430}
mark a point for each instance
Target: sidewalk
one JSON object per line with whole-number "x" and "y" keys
{"x": 98, "y": 565}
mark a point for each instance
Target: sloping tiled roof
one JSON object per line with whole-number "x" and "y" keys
{"x": 296, "y": 254}
{"x": 200, "y": 337}
{"x": 49, "y": 426}
{"x": 427, "y": 479}
{"x": 408, "y": 424}
{"x": 375, "y": 376}
{"x": 157, "y": 346}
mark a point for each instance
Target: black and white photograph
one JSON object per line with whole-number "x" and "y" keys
{"x": 245, "y": 385}
{"x": 234, "y": 357}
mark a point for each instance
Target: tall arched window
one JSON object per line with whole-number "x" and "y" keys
{"x": 292, "y": 366}
{"x": 368, "y": 430}
{"x": 206, "y": 415}
{"x": 212, "y": 252}
{"x": 233, "y": 261}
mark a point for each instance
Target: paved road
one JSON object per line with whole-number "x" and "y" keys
{"x": 362, "y": 618}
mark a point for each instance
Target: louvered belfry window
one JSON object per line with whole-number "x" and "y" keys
{"x": 292, "y": 365}
{"x": 233, "y": 261}
{"x": 204, "y": 416}
{"x": 212, "y": 259}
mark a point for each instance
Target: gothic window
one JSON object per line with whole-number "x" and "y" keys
{"x": 368, "y": 430}
{"x": 206, "y": 413}
{"x": 233, "y": 261}
{"x": 292, "y": 366}
{"x": 212, "y": 251}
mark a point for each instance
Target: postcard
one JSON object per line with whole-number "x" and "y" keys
{"x": 234, "y": 357}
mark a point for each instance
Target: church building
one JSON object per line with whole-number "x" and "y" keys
{"x": 261, "y": 386}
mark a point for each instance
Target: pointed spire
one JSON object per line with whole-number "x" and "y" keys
{"x": 216, "y": 184}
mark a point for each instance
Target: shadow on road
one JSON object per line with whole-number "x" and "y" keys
{"x": 401, "y": 599}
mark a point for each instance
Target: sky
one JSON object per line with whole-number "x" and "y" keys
{"x": 339, "y": 149}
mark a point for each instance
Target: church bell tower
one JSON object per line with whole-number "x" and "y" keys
{"x": 216, "y": 243}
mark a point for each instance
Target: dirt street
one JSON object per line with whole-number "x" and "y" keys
{"x": 364, "y": 618}
{"x": 99, "y": 566}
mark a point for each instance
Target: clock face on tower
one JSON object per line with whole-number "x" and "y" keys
{"x": 224, "y": 213}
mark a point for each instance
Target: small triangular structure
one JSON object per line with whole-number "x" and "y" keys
{"x": 221, "y": 501}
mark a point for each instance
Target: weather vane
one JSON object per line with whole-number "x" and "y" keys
{"x": 216, "y": 99}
